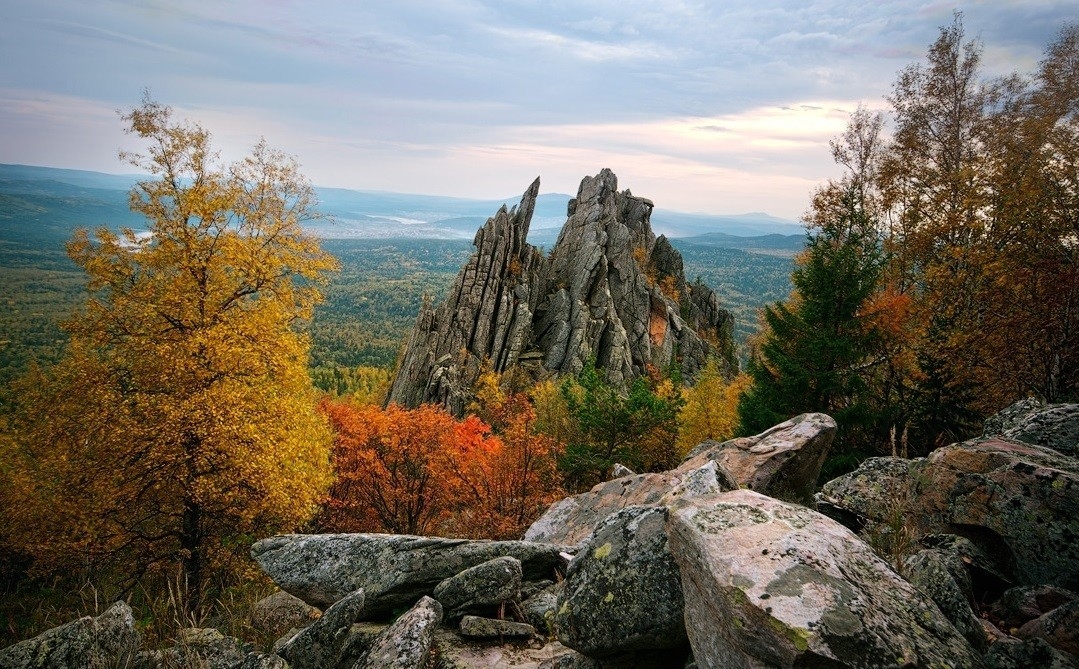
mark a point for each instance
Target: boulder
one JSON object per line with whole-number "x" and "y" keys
{"x": 108, "y": 639}
{"x": 479, "y": 627}
{"x": 1055, "y": 426}
{"x": 767, "y": 583}
{"x": 1023, "y": 603}
{"x": 944, "y": 579}
{"x": 487, "y": 584}
{"x": 280, "y": 611}
{"x": 622, "y": 592}
{"x": 326, "y": 643}
{"x": 1059, "y": 627}
{"x": 782, "y": 462}
{"x": 405, "y": 644}
{"x": 1029, "y": 654}
{"x": 263, "y": 661}
{"x": 1017, "y": 502}
{"x": 573, "y": 519}
{"x": 203, "y": 647}
{"x": 393, "y": 570}
{"x": 1008, "y": 417}
{"x": 539, "y": 609}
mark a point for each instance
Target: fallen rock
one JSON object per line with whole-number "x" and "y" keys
{"x": 281, "y": 611}
{"x": 326, "y": 642}
{"x": 491, "y": 628}
{"x": 1029, "y": 654}
{"x": 1023, "y": 603}
{"x": 768, "y": 583}
{"x": 87, "y": 642}
{"x": 487, "y": 584}
{"x": 943, "y": 578}
{"x": 540, "y": 608}
{"x": 1059, "y": 627}
{"x": 622, "y": 592}
{"x": 782, "y": 462}
{"x": 393, "y": 570}
{"x": 1018, "y": 502}
{"x": 405, "y": 644}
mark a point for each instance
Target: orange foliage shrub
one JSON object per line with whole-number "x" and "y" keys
{"x": 420, "y": 471}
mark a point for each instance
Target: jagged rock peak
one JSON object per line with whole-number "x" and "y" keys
{"x": 609, "y": 291}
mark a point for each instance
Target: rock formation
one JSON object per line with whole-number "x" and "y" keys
{"x": 609, "y": 290}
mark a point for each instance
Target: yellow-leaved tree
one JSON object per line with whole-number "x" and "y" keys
{"x": 181, "y": 422}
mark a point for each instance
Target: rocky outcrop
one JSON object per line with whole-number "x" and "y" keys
{"x": 487, "y": 584}
{"x": 773, "y": 584}
{"x": 1018, "y": 502}
{"x": 86, "y": 642}
{"x": 392, "y": 570}
{"x": 609, "y": 291}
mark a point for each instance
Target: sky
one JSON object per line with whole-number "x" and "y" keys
{"x": 720, "y": 107}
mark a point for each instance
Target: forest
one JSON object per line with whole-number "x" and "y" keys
{"x": 221, "y": 380}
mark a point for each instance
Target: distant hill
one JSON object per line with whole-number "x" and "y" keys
{"x": 775, "y": 244}
{"x": 43, "y": 204}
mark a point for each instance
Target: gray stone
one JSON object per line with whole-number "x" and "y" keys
{"x": 619, "y": 470}
{"x": 281, "y": 611}
{"x": 108, "y": 640}
{"x": 405, "y": 644}
{"x": 205, "y": 648}
{"x": 1029, "y": 654}
{"x": 622, "y": 591}
{"x": 782, "y": 462}
{"x": 492, "y": 628}
{"x": 768, "y": 583}
{"x": 1059, "y": 627}
{"x": 1023, "y": 603}
{"x": 487, "y": 584}
{"x": 1009, "y": 417}
{"x": 943, "y": 578}
{"x": 392, "y": 570}
{"x": 1055, "y": 426}
{"x": 540, "y": 608}
{"x": 264, "y": 661}
{"x": 1017, "y": 502}
{"x": 326, "y": 642}
{"x": 571, "y": 659}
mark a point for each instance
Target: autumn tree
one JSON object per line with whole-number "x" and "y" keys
{"x": 181, "y": 423}
{"x": 393, "y": 468}
{"x": 710, "y": 410}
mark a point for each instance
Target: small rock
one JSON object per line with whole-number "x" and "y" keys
{"x": 490, "y": 628}
{"x": 487, "y": 584}
{"x": 264, "y": 661}
{"x": 1029, "y": 654}
{"x": 281, "y": 611}
{"x": 619, "y": 470}
{"x": 1023, "y": 603}
{"x": 1059, "y": 627}
{"x": 938, "y": 575}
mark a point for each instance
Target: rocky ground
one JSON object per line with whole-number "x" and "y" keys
{"x": 725, "y": 561}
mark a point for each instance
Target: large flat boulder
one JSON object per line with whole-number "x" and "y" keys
{"x": 1017, "y": 502}
{"x": 393, "y": 570}
{"x": 772, "y": 584}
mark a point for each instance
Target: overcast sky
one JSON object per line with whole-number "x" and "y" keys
{"x": 722, "y": 106}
